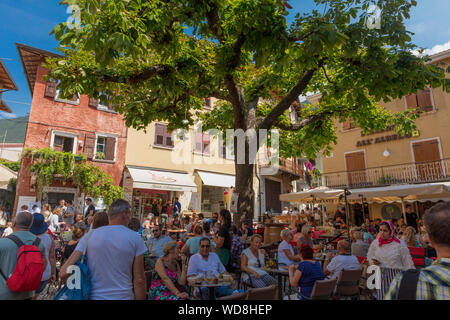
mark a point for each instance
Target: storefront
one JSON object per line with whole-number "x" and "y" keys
{"x": 215, "y": 191}
{"x": 144, "y": 186}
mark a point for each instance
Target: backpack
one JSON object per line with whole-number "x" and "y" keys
{"x": 28, "y": 271}
{"x": 408, "y": 285}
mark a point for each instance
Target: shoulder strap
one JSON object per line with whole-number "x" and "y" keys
{"x": 408, "y": 285}
{"x": 16, "y": 240}
{"x": 37, "y": 242}
{"x": 85, "y": 244}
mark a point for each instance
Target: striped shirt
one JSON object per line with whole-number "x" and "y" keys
{"x": 433, "y": 284}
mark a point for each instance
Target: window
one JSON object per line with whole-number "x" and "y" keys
{"x": 202, "y": 143}
{"x": 162, "y": 137}
{"x": 75, "y": 100}
{"x": 348, "y": 125}
{"x": 208, "y": 105}
{"x": 423, "y": 99}
{"x": 64, "y": 142}
{"x": 105, "y": 147}
{"x": 95, "y": 103}
{"x": 226, "y": 152}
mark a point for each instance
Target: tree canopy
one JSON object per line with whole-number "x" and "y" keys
{"x": 159, "y": 60}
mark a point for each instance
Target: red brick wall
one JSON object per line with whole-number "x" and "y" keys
{"x": 47, "y": 115}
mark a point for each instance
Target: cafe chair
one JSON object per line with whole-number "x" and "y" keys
{"x": 236, "y": 296}
{"x": 245, "y": 284}
{"x": 322, "y": 290}
{"x": 267, "y": 293}
{"x": 348, "y": 284}
{"x": 148, "y": 279}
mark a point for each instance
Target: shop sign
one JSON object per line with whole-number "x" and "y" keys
{"x": 161, "y": 178}
{"x": 387, "y": 138}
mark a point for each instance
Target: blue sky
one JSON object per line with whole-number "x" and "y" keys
{"x": 30, "y": 22}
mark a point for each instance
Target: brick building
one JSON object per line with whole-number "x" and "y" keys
{"x": 79, "y": 125}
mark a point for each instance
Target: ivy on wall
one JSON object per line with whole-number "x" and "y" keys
{"x": 47, "y": 165}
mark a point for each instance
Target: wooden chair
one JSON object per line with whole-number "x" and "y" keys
{"x": 348, "y": 284}
{"x": 267, "y": 293}
{"x": 323, "y": 290}
{"x": 363, "y": 289}
{"x": 236, "y": 296}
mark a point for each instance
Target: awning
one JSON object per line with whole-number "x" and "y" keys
{"x": 5, "y": 175}
{"x": 162, "y": 180}
{"x": 413, "y": 192}
{"x": 217, "y": 179}
{"x": 321, "y": 193}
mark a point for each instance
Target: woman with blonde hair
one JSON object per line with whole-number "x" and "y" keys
{"x": 46, "y": 211}
{"x": 252, "y": 264}
{"x": 169, "y": 279}
{"x": 410, "y": 238}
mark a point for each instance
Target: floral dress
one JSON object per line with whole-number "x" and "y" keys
{"x": 159, "y": 291}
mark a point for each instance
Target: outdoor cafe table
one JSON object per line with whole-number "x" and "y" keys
{"x": 280, "y": 274}
{"x": 211, "y": 286}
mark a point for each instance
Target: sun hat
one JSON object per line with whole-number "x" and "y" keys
{"x": 39, "y": 225}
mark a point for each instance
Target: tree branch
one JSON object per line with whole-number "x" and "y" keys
{"x": 140, "y": 76}
{"x": 213, "y": 22}
{"x": 326, "y": 75}
{"x": 286, "y": 102}
{"x": 219, "y": 95}
{"x": 304, "y": 122}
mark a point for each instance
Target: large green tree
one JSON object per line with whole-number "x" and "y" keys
{"x": 158, "y": 60}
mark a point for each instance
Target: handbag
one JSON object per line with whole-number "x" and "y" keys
{"x": 83, "y": 291}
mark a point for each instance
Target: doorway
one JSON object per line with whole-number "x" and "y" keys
{"x": 356, "y": 168}
{"x": 427, "y": 159}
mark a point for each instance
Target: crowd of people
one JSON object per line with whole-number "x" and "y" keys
{"x": 120, "y": 249}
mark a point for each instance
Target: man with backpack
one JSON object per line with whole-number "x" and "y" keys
{"x": 22, "y": 261}
{"x": 433, "y": 282}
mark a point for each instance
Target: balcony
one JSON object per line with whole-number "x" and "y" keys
{"x": 287, "y": 165}
{"x": 419, "y": 172}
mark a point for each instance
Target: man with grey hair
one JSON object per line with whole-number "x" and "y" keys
{"x": 8, "y": 255}
{"x": 359, "y": 247}
{"x": 344, "y": 260}
{"x": 115, "y": 258}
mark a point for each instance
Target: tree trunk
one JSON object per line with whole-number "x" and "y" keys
{"x": 244, "y": 187}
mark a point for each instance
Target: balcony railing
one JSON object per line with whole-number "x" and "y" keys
{"x": 287, "y": 165}
{"x": 419, "y": 172}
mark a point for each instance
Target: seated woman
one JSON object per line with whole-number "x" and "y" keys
{"x": 306, "y": 238}
{"x": 169, "y": 279}
{"x": 410, "y": 238}
{"x": 286, "y": 255}
{"x": 252, "y": 262}
{"x": 306, "y": 274}
{"x": 77, "y": 234}
{"x": 298, "y": 231}
{"x": 192, "y": 244}
{"x": 223, "y": 253}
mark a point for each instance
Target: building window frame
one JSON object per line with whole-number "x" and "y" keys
{"x": 74, "y": 136}
{"x": 105, "y": 135}
{"x": 58, "y": 99}
{"x": 433, "y": 105}
{"x": 441, "y": 154}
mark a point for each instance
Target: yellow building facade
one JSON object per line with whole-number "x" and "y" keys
{"x": 385, "y": 158}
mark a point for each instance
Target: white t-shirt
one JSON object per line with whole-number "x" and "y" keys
{"x": 53, "y": 222}
{"x": 392, "y": 255}
{"x": 340, "y": 262}
{"x": 198, "y": 265}
{"x": 110, "y": 254}
{"x": 8, "y": 231}
{"x": 284, "y": 212}
{"x": 282, "y": 257}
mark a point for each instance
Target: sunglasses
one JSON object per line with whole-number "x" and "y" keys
{"x": 258, "y": 263}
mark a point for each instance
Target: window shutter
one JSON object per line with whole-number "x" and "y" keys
{"x": 198, "y": 142}
{"x": 411, "y": 101}
{"x": 168, "y": 139}
{"x": 424, "y": 99}
{"x": 93, "y": 102}
{"x": 50, "y": 90}
{"x": 159, "y": 134}
{"x": 110, "y": 148}
{"x": 58, "y": 143}
{"x": 206, "y": 143}
{"x": 208, "y": 103}
{"x": 89, "y": 145}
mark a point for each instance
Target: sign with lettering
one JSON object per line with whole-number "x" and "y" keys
{"x": 388, "y": 138}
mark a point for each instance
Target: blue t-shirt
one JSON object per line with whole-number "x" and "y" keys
{"x": 368, "y": 236}
{"x": 193, "y": 244}
{"x": 158, "y": 244}
{"x": 311, "y": 272}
